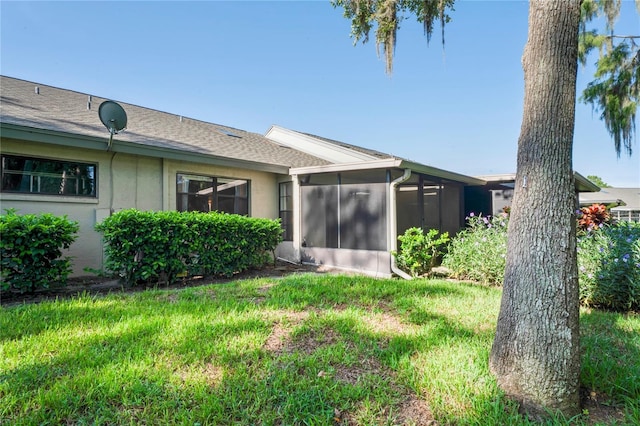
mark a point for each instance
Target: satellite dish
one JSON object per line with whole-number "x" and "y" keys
{"x": 113, "y": 117}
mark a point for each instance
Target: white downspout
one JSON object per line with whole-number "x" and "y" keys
{"x": 393, "y": 226}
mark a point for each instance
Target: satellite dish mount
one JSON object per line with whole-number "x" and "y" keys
{"x": 113, "y": 117}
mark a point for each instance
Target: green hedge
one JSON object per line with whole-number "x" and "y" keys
{"x": 160, "y": 246}
{"x": 31, "y": 250}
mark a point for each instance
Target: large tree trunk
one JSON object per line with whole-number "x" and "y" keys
{"x": 536, "y": 354}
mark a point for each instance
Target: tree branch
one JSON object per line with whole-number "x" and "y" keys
{"x": 622, "y": 36}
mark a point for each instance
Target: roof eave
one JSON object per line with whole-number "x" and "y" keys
{"x": 13, "y": 131}
{"x": 583, "y": 184}
{"x": 385, "y": 164}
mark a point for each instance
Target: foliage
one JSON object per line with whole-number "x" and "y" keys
{"x": 418, "y": 251}
{"x": 598, "y": 181}
{"x": 615, "y": 92}
{"x": 608, "y": 259}
{"x": 31, "y": 250}
{"x": 609, "y": 266}
{"x": 387, "y": 15}
{"x": 479, "y": 252}
{"x": 593, "y": 217}
{"x": 153, "y": 246}
{"x": 303, "y": 349}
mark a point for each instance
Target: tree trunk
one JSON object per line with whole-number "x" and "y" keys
{"x": 536, "y": 354}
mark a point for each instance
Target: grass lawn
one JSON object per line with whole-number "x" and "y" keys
{"x": 303, "y": 349}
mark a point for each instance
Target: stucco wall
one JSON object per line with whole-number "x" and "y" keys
{"x": 139, "y": 182}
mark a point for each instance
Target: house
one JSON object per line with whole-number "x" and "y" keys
{"x": 340, "y": 205}
{"x": 624, "y": 203}
{"x": 55, "y": 158}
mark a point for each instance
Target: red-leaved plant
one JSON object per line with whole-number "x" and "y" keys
{"x": 593, "y": 217}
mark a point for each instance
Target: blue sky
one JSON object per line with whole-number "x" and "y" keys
{"x": 292, "y": 63}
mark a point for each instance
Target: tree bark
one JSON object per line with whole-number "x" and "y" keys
{"x": 536, "y": 354}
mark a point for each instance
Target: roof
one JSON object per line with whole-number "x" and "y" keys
{"x": 582, "y": 184}
{"x": 386, "y": 163}
{"x": 44, "y": 113}
{"x": 347, "y": 157}
{"x": 328, "y": 149}
{"x": 625, "y": 198}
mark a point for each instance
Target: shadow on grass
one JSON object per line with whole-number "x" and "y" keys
{"x": 610, "y": 356}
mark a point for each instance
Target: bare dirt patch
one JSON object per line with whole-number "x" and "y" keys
{"x": 279, "y": 341}
{"x": 414, "y": 411}
{"x": 597, "y": 410}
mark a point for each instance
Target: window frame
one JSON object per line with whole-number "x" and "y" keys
{"x": 35, "y": 178}
{"x": 215, "y": 197}
{"x": 284, "y": 213}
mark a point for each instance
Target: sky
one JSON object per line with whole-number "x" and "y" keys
{"x": 250, "y": 65}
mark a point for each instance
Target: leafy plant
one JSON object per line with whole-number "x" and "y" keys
{"x": 160, "y": 246}
{"x": 479, "y": 252}
{"x": 609, "y": 266}
{"x": 31, "y": 250}
{"x": 419, "y": 251}
{"x": 593, "y": 217}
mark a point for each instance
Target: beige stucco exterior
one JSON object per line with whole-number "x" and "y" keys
{"x": 124, "y": 181}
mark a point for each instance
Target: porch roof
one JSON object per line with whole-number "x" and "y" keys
{"x": 582, "y": 183}
{"x": 388, "y": 163}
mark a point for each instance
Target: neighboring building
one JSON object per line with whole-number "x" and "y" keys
{"x": 497, "y": 193}
{"x": 624, "y": 203}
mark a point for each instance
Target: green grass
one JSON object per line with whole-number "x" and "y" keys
{"x": 305, "y": 349}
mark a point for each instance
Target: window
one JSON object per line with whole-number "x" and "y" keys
{"x": 286, "y": 210}
{"x": 28, "y": 175}
{"x": 208, "y": 193}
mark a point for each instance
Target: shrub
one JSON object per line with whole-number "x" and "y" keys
{"x": 479, "y": 252}
{"x": 609, "y": 266}
{"x": 160, "y": 246}
{"x": 593, "y": 217}
{"x": 31, "y": 250}
{"x": 418, "y": 251}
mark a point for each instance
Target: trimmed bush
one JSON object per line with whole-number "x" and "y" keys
{"x": 418, "y": 251}
{"x": 609, "y": 266}
{"x": 479, "y": 252}
{"x": 160, "y": 246}
{"x": 31, "y": 250}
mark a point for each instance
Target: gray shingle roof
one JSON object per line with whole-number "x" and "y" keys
{"x": 67, "y": 111}
{"x": 629, "y": 196}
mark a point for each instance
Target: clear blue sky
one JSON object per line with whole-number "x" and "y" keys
{"x": 292, "y": 63}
